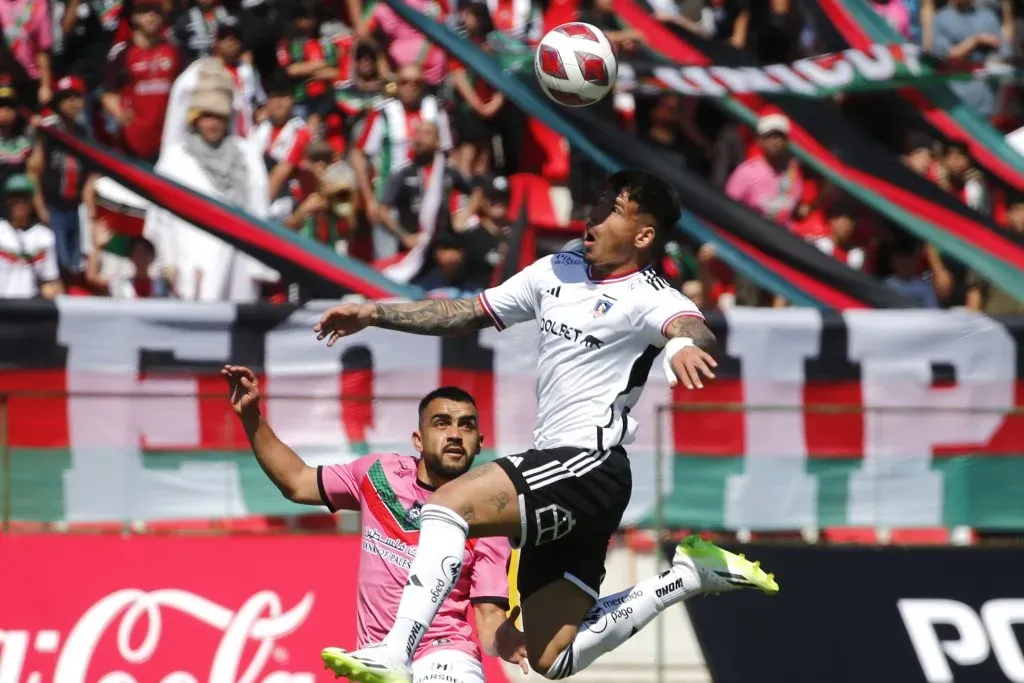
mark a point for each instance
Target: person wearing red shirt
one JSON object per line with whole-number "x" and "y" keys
{"x": 140, "y": 74}
{"x": 283, "y": 137}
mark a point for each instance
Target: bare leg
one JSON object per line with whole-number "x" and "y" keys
{"x": 482, "y": 502}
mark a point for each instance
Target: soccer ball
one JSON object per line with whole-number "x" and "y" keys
{"x": 576, "y": 64}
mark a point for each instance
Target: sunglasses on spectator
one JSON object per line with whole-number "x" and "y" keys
{"x": 410, "y": 81}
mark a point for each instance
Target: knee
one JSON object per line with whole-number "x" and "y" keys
{"x": 551, "y": 662}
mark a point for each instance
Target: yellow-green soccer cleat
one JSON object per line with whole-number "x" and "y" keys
{"x": 368, "y": 665}
{"x": 721, "y": 571}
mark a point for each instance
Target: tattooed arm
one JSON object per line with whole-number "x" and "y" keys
{"x": 693, "y": 327}
{"x": 436, "y": 317}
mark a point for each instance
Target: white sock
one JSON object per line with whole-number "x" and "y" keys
{"x": 617, "y": 618}
{"x": 434, "y": 572}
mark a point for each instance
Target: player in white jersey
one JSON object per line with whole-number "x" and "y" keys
{"x": 604, "y": 317}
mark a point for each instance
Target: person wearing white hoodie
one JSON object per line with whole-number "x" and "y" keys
{"x": 212, "y": 161}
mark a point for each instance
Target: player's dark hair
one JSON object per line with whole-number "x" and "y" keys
{"x": 654, "y": 197}
{"x": 451, "y": 393}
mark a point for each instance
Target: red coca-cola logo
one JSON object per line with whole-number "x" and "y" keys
{"x": 241, "y": 610}
{"x": 136, "y": 619}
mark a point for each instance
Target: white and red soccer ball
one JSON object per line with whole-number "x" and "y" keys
{"x": 576, "y": 64}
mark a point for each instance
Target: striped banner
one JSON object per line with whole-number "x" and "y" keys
{"x": 114, "y": 411}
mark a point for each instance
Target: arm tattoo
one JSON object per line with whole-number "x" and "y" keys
{"x": 436, "y": 317}
{"x": 693, "y": 327}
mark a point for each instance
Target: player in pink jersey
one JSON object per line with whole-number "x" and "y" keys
{"x": 389, "y": 489}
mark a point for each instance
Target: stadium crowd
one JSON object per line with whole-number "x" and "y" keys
{"x": 338, "y": 120}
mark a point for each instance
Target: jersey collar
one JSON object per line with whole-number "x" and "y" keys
{"x": 617, "y": 278}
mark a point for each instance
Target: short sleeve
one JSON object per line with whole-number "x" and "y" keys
{"x": 46, "y": 267}
{"x": 371, "y": 140}
{"x": 340, "y": 484}
{"x": 115, "y": 74}
{"x": 657, "y": 310}
{"x": 514, "y": 300}
{"x": 489, "y": 583}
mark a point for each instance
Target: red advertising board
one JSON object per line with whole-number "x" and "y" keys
{"x": 162, "y": 609}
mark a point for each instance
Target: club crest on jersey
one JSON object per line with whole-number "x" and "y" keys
{"x": 602, "y": 306}
{"x": 413, "y": 516}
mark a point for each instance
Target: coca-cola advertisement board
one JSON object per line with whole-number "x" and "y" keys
{"x": 151, "y": 609}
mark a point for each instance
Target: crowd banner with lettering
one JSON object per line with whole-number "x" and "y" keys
{"x": 887, "y": 614}
{"x": 877, "y": 67}
{"x": 901, "y": 418}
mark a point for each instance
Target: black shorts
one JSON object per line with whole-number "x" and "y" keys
{"x": 570, "y": 502}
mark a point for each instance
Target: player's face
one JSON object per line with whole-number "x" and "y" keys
{"x": 448, "y": 438}
{"x": 148, "y": 20}
{"x": 617, "y": 232}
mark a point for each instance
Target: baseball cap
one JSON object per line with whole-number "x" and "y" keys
{"x": 69, "y": 85}
{"x": 496, "y": 187}
{"x": 18, "y": 184}
{"x": 228, "y": 27}
{"x": 773, "y": 123}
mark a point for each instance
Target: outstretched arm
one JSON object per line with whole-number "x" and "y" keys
{"x": 433, "y": 317}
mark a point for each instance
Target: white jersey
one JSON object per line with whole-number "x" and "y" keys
{"x": 28, "y": 258}
{"x": 598, "y": 341}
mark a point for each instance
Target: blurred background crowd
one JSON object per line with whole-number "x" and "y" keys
{"x": 340, "y": 122}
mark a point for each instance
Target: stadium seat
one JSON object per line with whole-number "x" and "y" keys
{"x": 537, "y": 193}
{"x": 850, "y": 534}
{"x": 545, "y": 152}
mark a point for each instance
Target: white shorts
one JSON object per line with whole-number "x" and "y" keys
{"x": 447, "y": 666}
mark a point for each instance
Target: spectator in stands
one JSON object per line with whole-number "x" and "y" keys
{"x": 261, "y": 23}
{"x": 959, "y": 176}
{"x": 521, "y": 21}
{"x": 406, "y": 46}
{"x": 485, "y": 227}
{"x": 325, "y": 194}
{"x": 760, "y": 27}
{"x": 695, "y": 16}
{"x": 414, "y": 190}
{"x": 29, "y": 264}
{"x": 906, "y": 278}
{"x": 29, "y": 36}
{"x": 241, "y": 79}
{"x": 61, "y": 182}
{"x": 212, "y": 161}
{"x": 601, "y": 13}
{"x": 311, "y": 61}
{"x": 664, "y": 131}
{"x": 196, "y": 29}
{"x": 15, "y": 146}
{"x": 447, "y": 267}
{"x": 839, "y": 242}
{"x": 86, "y": 30}
{"x": 385, "y": 140}
{"x": 140, "y": 74}
{"x": 477, "y": 104}
{"x": 769, "y": 182}
{"x": 282, "y": 137}
{"x": 964, "y": 31}
{"x": 895, "y": 13}
{"x": 355, "y": 97}
{"x": 919, "y": 153}
{"x": 987, "y": 296}
{"x": 138, "y": 282}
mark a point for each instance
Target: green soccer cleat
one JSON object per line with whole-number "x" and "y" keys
{"x": 368, "y": 665}
{"x": 721, "y": 571}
